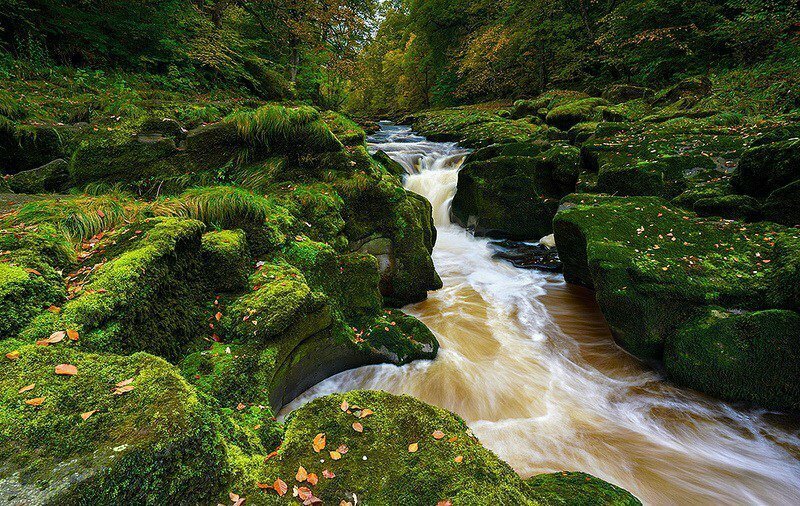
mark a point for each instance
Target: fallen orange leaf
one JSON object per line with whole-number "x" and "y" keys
{"x": 444, "y": 502}
{"x": 280, "y": 487}
{"x": 301, "y": 475}
{"x": 56, "y": 337}
{"x": 358, "y": 427}
{"x": 26, "y": 388}
{"x": 459, "y": 458}
{"x": 88, "y": 414}
{"x": 125, "y": 382}
{"x": 437, "y": 434}
{"x": 413, "y": 447}
{"x": 12, "y": 355}
{"x": 123, "y": 390}
{"x": 36, "y": 401}
{"x": 319, "y": 442}
{"x": 343, "y": 449}
{"x": 366, "y": 412}
{"x": 328, "y": 474}
{"x": 304, "y": 493}
{"x": 344, "y": 406}
{"x": 72, "y": 335}
{"x": 335, "y": 455}
{"x": 66, "y": 370}
{"x": 312, "y": 478}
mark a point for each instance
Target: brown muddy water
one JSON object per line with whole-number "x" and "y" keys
{"x": 530, "y": 365}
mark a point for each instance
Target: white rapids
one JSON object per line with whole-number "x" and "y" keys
{"x": 528, "y": 362}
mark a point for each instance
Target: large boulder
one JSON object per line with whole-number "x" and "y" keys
{"x": 79, "y": 439}
{"x": 51, "y": 177}
{"x": 568, "y": 115}
{"x": 515, "y": 196}
{"x": 783, "y": 205}
{"x": 767, "y": 167}
{"x": 132, "y": 162}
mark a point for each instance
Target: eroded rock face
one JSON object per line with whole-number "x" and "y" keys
{"x": 657, "y": 269}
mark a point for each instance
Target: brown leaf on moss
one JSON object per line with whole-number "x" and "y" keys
{"x": 125, "y": 382}
{"x": 444, "y": 502}
{"x": 54, "y": 309}
{"x": 335, "y": 455}
{"x": 345, "y": 503}
{"x": 12, "y": 355}
{"x": 413, "y": 447}
{"x": 366, "y": 412}
{"x": 270, "y": 455}
{"x": 458, "y": 459}
{"x": 343, "y": 449}
{"x": 313, "y": 479}
{"x": 302, "y": 474}
{"x": 27, "y": 388}
{"x": 66, "y": 370}
{"x": 88, "y": 414}
{"x": 263, "y": 486}
{"x": 56, "y": 337}
{"x": 437, "y": 434}
{"x": 280, "y": 487}
{"x": 72, "y": 334}
{"x": 218, "y": 316}
{"x": 36, "y": 401}
{"x": 358, "y": 427}
{"x": 304, "y": 493}
{"x": 123, "y": 390}
{"x": 344, "y": 406}
{"x": 328, "y": 474}
{"x": 33, "y": 271}
{"x": 453, "y": 439}
{"x": 319, "y": 442}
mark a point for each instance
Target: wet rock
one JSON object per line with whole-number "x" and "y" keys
{"x": 526, "y": 255}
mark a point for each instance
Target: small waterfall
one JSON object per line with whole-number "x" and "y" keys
{"x": 528, "y": 362}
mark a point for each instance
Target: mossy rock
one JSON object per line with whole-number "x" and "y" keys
{"x": 540, "y": 105}
{"x": 578, "y": 489}
{"x": 146, "y": 299}
{"x": 641, "y": 179}
{"x": 455, "y": 467}
{"x": 157, "y": 442}
{"x": 346, "y": 130}
{"x": 751, "y": 356}
{"x": 515, "y": 196}
{"x": 733, "y": 207}
{"x": 783, "y": 205}
{"x": 212, "y": 147}
{"x": 227, "y": 259}
{"x": 129, "y": 162}
{"x": 51, "y": 177}
{"x": 472, "y": 127}
{"x": 528, "y": 148}
{"x": 391, "y": 166}
{"x": 688, "y": 92}
{"x": 581, "y": 132}
{"x": 26, "y": 147}
{"x": 568, "y": 115}
{"x": 617, "y": 93}
{"x": 765, "y": 168}
{"x": 25, "y": 292}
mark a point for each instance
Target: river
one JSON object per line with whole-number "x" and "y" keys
{"x": 530, "y": 365}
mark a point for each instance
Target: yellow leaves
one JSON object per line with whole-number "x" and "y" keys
{"x": 335, "y": 455}
{"x": 36, "y": 401}
{"x": 366, "y": 412}
{"x": 87, "y": 414}
{"x": 413, "y": 447}
{"x": 437, "y": 434}
{"x": 458, "y": 459}
{"x": 66, "y": 370}
{"x": 12, "y": 355}
{"x": 27, "y": 388}
{"x": 319, "y": 442}
{"x": 358, "y": 427}
{"x": 280, "y": 487}
{"x": 301, "y": 475}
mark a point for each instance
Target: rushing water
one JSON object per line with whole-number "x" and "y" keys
{"x": 528, "y": 362}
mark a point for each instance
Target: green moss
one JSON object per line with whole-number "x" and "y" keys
{"x": 147, "y": 299}
{"x": 768, "y": 167}
{"x": 752, "y": 356}
{"x": 157, "y": 442}
{"x": 578, "y": 489}
{"x": 734, "y": 207}
{"x": 473, "y": 127}
{"x": 783, "y": 205}
{"x": 23, "y": 294}
{"x": 346, "y": 130}
{"x": 545, "y": 101}
{"x": 51, "y": 177}
{"x": 567, "y": 115}
{"x": 227, "y": 260}
{"x": 515, "y": 196}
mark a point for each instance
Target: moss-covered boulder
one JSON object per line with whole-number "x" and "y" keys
{"x": 540, "y": 105}
{"x": 767, "y": 167}
{"x": 146, "y": 299}
{"x": 111, "y": 161}
{"x": 734, "y": 207}
{"x": 750, "y": 356}
{"x": 384, "y": 449}
{"x": 51, "y": 177}
{"x": 578, "y": 489}
{"x": 474, "y": 127}
{"x": 783, "y": 205}
{"x": 25, "y": 147}
{"x": 568, "y": 115}
{"x": 227, "y": 259}
{"x": 24, "y": 293}
{"x": 117, "y": 430}
{"x": 654, "y": 267}
{"x": 515, "y": 196}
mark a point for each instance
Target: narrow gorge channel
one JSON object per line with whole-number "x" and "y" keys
{"x": 529, "y": 363}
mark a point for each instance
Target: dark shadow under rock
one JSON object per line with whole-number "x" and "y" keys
{"x": 527, "y": 255}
